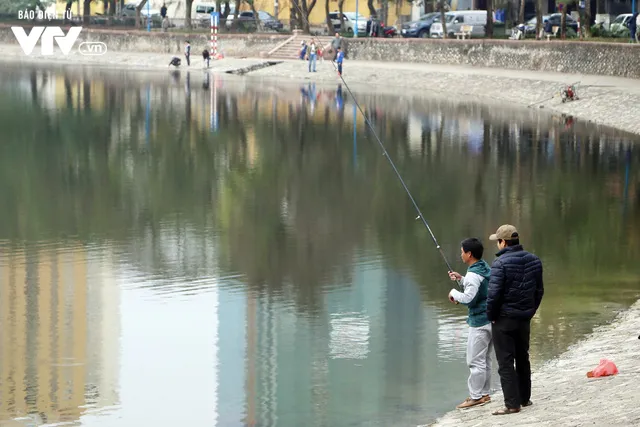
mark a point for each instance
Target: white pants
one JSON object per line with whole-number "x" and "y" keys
{"x": 479, "y": 347}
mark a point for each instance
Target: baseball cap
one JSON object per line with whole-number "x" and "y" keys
{"x": 505, "y": 232}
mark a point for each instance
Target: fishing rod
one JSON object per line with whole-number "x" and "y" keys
{"x": 384, "y": 150}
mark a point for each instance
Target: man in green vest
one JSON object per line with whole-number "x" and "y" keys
{"x": 475, "y": 286}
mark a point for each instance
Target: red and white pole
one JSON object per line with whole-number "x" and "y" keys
{"x": 214, "y": 34}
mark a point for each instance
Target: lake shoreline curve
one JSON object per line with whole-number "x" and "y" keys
{"x": 603, "y": 100}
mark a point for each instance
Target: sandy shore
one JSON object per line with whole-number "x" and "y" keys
{"x": 562, "y": 394}
{"x": 609, "y": 101}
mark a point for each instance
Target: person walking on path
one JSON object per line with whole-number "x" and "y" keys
{"x": 515, "y": 293}
{"x": 313, "y": 52}
{"x": 475, "y": 285}
{"x": 336, "y": 45}
{"x": 187, "y": 51}
{"x": 339, "y": 59}
{"x": 633, "y": 27}
{"x": 303, "y": 50}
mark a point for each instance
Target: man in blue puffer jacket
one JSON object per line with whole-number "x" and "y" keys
{"x": 515, "y": 293}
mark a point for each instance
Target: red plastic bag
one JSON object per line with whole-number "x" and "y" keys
{"x": 604, "y": 369}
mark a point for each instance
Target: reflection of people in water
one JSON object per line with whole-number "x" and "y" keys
{"x": 568, "y": 122}
{"x": 312, "y": 96}
{"x": 187, "y": 83}
{"x": 339, "y": 99}
{"x": 309, "y": 95}
{"x": 205, "y": 84}
{"x": 176, "y": 76}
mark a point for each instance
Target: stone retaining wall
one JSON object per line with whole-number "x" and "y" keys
{"x": 611, "y": 59}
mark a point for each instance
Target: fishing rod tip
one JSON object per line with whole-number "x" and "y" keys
{"x": 418, "y": 217}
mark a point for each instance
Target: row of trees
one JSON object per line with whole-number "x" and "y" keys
{"x": 301, "y": 9}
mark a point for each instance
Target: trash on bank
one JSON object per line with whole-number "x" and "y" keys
{"x": 604, "y": 369}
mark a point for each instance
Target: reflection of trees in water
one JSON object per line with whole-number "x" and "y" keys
{"x": 278, "y": 184}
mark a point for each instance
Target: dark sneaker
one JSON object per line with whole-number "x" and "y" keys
{"x": 529, "y": 403}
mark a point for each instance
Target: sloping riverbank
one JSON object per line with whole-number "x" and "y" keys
{"x": 610, "y": 101}
{"x": 562, "y": 394}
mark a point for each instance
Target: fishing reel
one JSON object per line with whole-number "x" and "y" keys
{"x": 568, "y": 93}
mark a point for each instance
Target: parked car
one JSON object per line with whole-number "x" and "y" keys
{"x": 421, "y": 27}
{"x": 129, "y": 13}
{"x": 555, "y": 19}
{"x": 349, "y": 23}
{"x": 620, "y": 23}
{"x": 455, "y": 20}
{"x": 202, "y": 13}
{"x": 268, "y": 21}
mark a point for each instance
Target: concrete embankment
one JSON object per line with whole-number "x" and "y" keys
{"x": 562, "y": 394}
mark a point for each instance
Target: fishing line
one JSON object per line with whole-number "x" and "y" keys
{"x": 384, "y": 150}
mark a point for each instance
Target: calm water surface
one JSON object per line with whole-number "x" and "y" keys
{"x": 177, "y": 250}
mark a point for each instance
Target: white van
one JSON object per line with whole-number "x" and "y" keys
{"x": 455, "y": 20}
{"x": 202, "y": 10}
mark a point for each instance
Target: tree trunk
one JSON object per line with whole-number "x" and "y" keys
{"x": 563, "y": 22}
{"x": 225, "y": 14}
{"x": 112, "y": 11}
{"x": 328, "y": 18}
{"x": 341, "y": 10}
{"x": 187, "y": 13}
{"x": 256, "y": 18}
{"x": 306, "y": 10}
{"x": 442, "y": 18}
{"x": 599, "y": 6}
{"x": 489, "y": 27}
{"x": 67, "y": 10}
{"x": 372, "y": 8}
{"x": 587, "y": 18}
{"x": 86, "y": 12}
{"x": 138, "y": 10}
{"x": 384, "y": 8}
{"x": 521, "y": 14}
{"x": 538, "y": 18}
{"x": 234, "y": 24}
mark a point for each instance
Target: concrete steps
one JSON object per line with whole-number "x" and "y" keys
{"x": 291, "y": 49}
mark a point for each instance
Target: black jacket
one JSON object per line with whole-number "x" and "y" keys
{"x": 515, "y": 285}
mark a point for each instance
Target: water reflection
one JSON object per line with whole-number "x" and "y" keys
{"x": 240, "y": 253}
